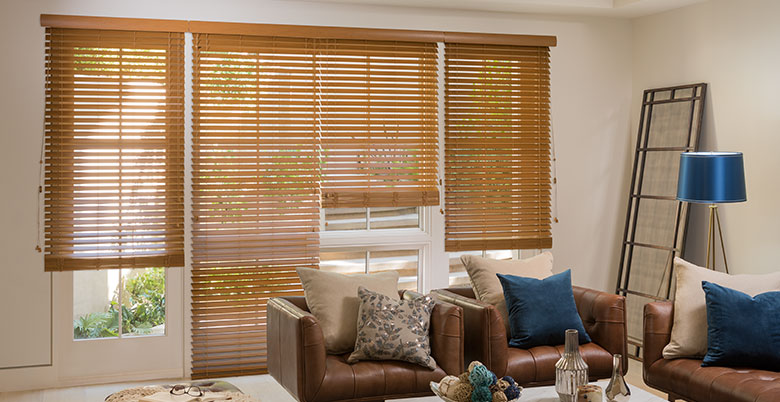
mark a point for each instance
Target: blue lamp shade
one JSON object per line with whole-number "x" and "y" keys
{"x": 711, "y": 177}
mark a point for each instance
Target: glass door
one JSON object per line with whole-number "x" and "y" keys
{"x": 119, "y": 325}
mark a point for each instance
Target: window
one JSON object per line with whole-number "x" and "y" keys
{"x": 375, "y": 259}
{"x": 311, "y": 147}
{"x": 131, "y": 299}
{"x": 114, "y": 160}
{"x": 339, "y": 219}
{"x": 390, "y": 238}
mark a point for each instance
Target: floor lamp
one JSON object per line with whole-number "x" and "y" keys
{"x": 712, "y": 178}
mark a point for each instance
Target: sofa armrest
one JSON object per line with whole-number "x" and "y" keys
{"x": 484, "y": 332}
{"x": 604, "y": 317}
{"x": 657, "y": 332}
{"x": 296, "y": 348}
{"x": 446, "y": 334}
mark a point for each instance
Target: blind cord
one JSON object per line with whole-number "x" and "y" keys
{"x": 39, "y": 194}
{"x": 554, "y": 174}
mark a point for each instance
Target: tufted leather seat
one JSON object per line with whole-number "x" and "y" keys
{"x": 686, "y": 379}
{"x": 603, "y": 315}
{"x": 298, "y": 361}
{"x": 375, "y": 379}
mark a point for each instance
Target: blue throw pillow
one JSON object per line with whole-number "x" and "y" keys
{"x": 742, "y": 330}
{"x": 541, "y": 310}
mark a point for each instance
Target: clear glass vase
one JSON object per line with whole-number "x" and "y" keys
{"x": 617, "y": 390}
{"x": 571, "y": 371}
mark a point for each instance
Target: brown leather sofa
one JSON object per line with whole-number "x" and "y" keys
{"x": 686, "y": 379}
{"x": 604, "y": 317}
{"x": 298, "y": 361}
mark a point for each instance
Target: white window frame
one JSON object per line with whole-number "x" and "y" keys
{"x": 419, "y": 238}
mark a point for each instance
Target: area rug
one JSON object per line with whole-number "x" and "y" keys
{"x": 136, "y": 393}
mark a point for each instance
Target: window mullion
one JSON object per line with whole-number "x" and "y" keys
{"x": 121, "y": 298}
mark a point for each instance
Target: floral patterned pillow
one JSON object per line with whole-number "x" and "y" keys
{"x": 390, "y": 329}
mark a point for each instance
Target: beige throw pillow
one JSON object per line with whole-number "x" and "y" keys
{"x": 333, "y": 299}
{"x": 689, "y": 328}
{"x": 482, "y": 274}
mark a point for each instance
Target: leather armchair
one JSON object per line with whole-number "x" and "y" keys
{"x": 603, "y": 315}
{"x": 686, "y": 379}
{"x": 298, "y": 361}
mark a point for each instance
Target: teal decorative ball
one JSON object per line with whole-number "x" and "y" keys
{"x": 481, "y": 394}
{"x": 481, "y": 376}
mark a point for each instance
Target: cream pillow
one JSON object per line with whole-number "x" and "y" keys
{"x": 689, "y": 328}
{"x": 333, "y": 299}
{"x": 482, "y": 274}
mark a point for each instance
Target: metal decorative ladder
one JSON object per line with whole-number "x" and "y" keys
{"x": 656, "y": 223}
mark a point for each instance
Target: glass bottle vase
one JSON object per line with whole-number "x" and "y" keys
{"x": 571, "y": 371}
{"x": 617, "y": 390}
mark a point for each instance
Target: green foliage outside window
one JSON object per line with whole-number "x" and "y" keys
{"x": 143, "y": 307}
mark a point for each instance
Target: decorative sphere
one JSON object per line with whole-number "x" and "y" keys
{"x": 473, "y": 364}
{"x": 464, "y": 377}
{"x": 462, "y": 392}
{"x": 499, "y": 397}
{"x": 502, "y": 384}
{"x": 513, "y": 392}
{"x": 509, "y": 379}
{"x": 481, "y": 376}
{"x": 481, "y": 393}
{"x": 447, "y": 385}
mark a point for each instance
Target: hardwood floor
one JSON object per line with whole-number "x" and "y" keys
{"x": 262, "y": 387}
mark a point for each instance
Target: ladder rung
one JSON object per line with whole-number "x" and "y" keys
{"x": 667, "y": 248}
{"x": 657, "y": 102}
{"x": 655, "y": 197}
{"x": 637, "y": 293}
{"x": 665, "y": 149}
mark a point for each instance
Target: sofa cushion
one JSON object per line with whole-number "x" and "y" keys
{"x": 482, "y": 274}
{"x": 742, "y": 330}
{"x": 389, "y": 329}
{"x": 689, "y": 328}
{"x": 333, "y": 300}
{"x": 541, "y": 310}
{"x": 687, "y": 379}
{"x": 375, "y": 379}
{"x": 536, "y": 366}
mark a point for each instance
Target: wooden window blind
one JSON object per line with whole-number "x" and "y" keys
{"x": 114, "y": 149}
{"x": 255, "y": 192}
{"x": 376, "y": 117}
{"x": 497, "y": 147}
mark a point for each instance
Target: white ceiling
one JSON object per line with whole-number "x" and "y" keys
{"x": 607, "y": 8}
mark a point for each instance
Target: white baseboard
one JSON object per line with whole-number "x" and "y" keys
{"x": 28, "y": 379}
{"x": 148, "y": 375}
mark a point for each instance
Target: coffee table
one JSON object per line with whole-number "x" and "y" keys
{"x": 547, "y": 394}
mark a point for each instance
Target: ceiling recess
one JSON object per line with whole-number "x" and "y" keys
{"x": 604, "y": 8}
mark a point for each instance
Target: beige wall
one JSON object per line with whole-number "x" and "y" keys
{"x": 734, "y": 46}
{"x": 591, "y": 92}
